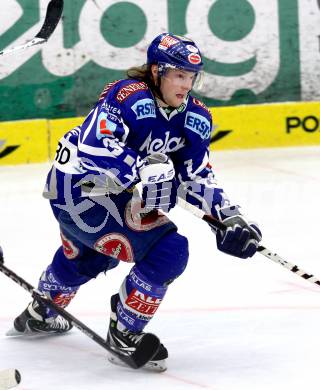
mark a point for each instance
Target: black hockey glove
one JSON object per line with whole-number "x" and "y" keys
{"x": 240, "y": 239}
{"x": 159, "y": 188}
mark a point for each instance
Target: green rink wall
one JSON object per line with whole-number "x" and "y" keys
{"x": 254, "y": 51}
{"x": 237, "y": 127}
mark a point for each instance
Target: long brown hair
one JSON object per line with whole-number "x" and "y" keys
{"x": 141, "y": 73}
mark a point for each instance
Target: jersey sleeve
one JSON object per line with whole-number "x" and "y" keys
{"x": 197, "y": 181}
{"x": 102, "y": 145}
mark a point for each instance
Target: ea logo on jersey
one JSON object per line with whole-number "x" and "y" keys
{"x": 161, "y": 177}
{"x": 198, "y": 124}
{"x": 144, "y": 108}
{"x": 105, "y": 127}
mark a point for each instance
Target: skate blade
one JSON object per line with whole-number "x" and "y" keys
{"x": 158, "y": 366}
{"x": 29, "y": 334}
{"x": 14, "y": 333}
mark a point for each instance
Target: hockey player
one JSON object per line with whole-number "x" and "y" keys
{"x": 144, "y": 130}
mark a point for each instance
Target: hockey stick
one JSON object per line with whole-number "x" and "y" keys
{"x": 136, "y": 360}
{"x": 9, "y": 378}
{"x": 53, "y": 15}
{"x": 261, "y": 249}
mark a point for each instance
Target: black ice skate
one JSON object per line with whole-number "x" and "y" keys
{"x": 32, "y": 321}
{"x": 141, "y": 346}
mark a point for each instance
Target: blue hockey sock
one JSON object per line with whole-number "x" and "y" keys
{"x": 50, "y": 285}
{"x": 139, "y": 300}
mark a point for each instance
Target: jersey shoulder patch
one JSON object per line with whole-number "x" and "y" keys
{"x": 132, "y": 87}
{"x": 198, "y": 119}
{"x": 135, "y": 100}
{"x": 107, "y": 88}
{"x": 198, "y": 103}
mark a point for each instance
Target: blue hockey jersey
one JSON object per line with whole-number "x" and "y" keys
{"x": 104, "y": 154}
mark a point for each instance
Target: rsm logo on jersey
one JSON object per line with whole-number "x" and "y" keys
{"x": 144, "y": 108}
{"x": 198, "y": 124}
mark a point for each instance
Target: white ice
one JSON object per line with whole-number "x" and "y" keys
{"x": 229, "y": 324}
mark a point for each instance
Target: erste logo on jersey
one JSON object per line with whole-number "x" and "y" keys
{"x": 144, "y": 108}
{"x": 129, "y": 90}
{"x": 167, "y": 42}
{"x": 198, "y": 124}
{"x": 105, "y": 127}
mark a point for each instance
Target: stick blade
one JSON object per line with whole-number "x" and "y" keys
{"x": 53, "y": 16}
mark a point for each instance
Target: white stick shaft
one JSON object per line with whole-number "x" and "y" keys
{"x": 261, "y": 249}
{"x": 33, "y": 42}
{"x": 192, "y": 209}
{"x": 290, "y": 266}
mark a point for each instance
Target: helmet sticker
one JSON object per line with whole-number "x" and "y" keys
{"x": 194, "y": 59}
{"x": 167, "y": 42}
{"x": 176, "y": 51}
{"x": 183, "y": 38}
{"x": 192, "y": 48}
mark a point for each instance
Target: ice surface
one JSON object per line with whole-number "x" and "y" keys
{"x": 228, "y": 324}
